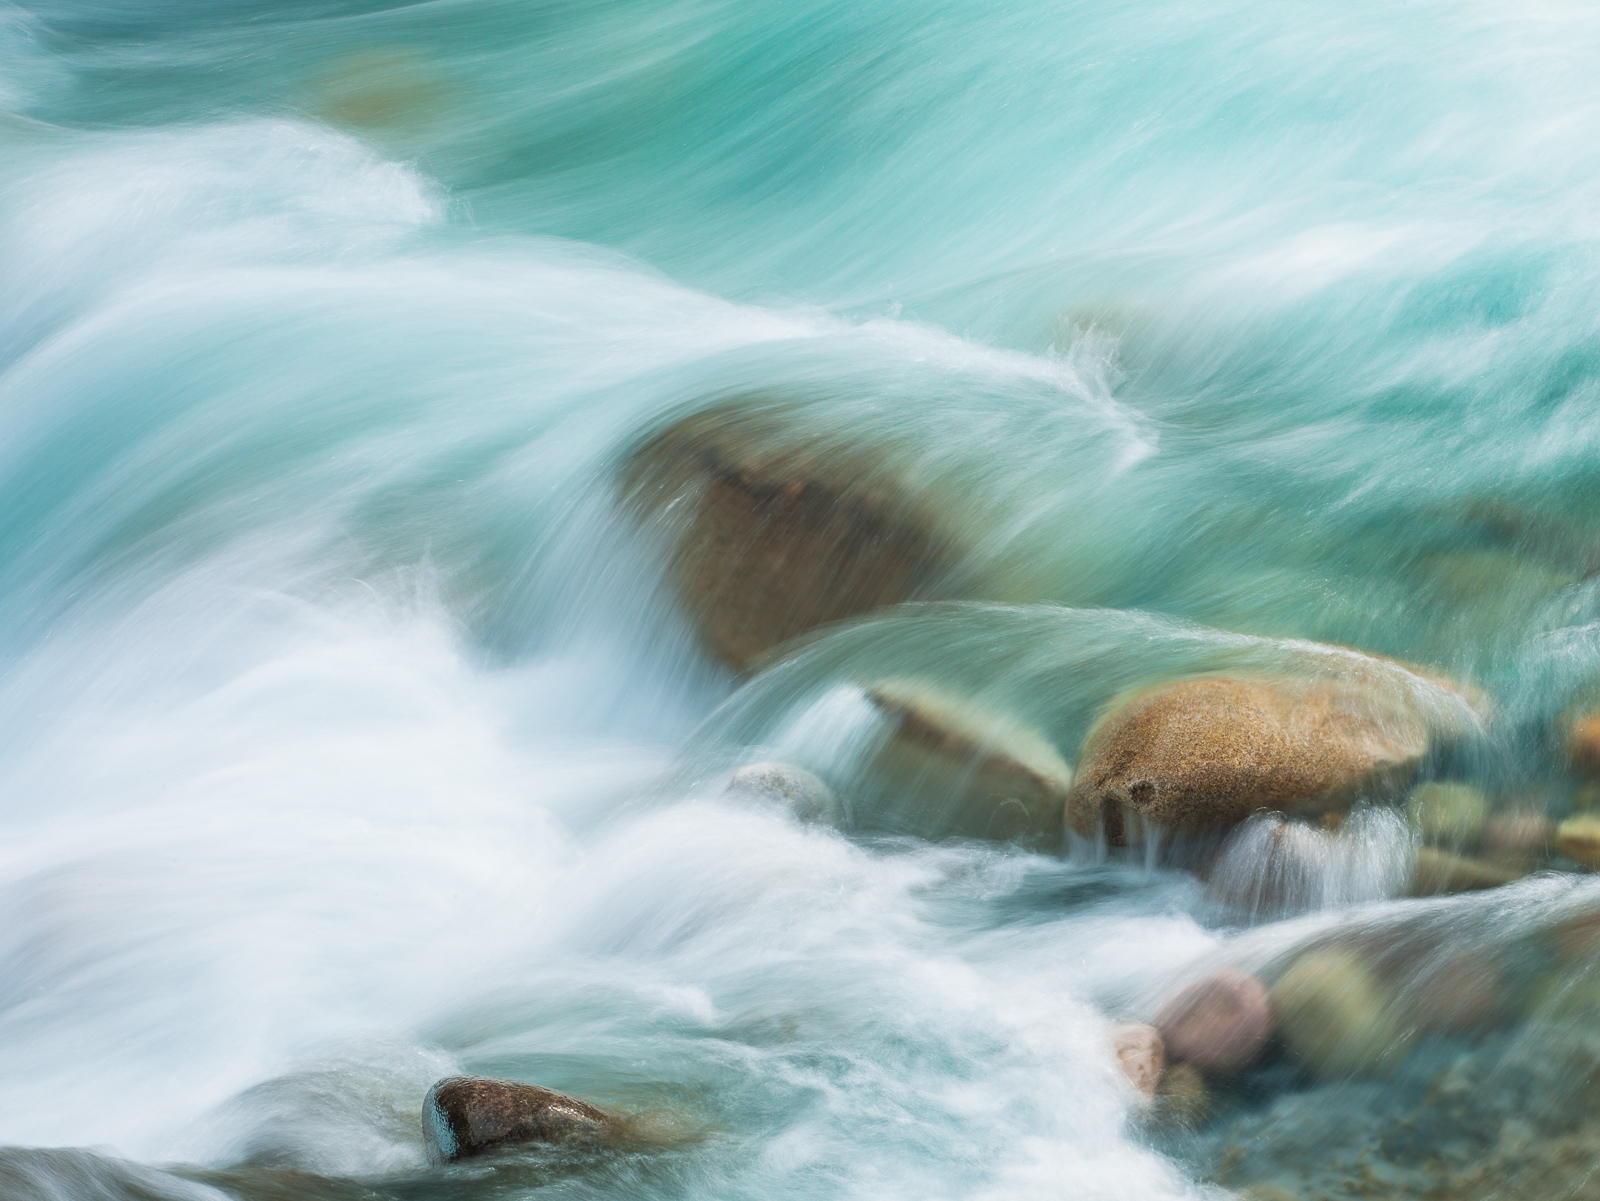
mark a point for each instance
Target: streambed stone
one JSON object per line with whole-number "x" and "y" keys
{"x": 1140, "y": 1054}
{"x": 1517, "y": 838}
{"x": 1438, "y": 873}
{"x": 1335, "y": 1016}
{"x": 773, "y": 534}
{"x": 986, "y": 773}
{"x": 1204, "y": 753}
{"x": 1449, "y": 813}
{"x": 468, "y": 1115}
{"x": 1583, "y": 744}
{"x": 1578, "y": 838}
{"x": 1219, "y": 1023}
{"x": 1182, "y": 1097}
{"x": 802, "y": 792}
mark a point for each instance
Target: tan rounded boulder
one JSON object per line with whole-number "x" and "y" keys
{"x": 468, "y": 1115}
{"x": 1204, "y": 753}
{"x": 772, "y": 534}
{"x": 1219, "y": 1023}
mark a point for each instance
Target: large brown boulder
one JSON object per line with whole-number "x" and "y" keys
{"x": 772, "y": 534}
{"x": 468, "y": 1115}
{"x": 1204, "y": 753}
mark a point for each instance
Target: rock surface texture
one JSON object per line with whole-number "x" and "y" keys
{"x": 468, "y": 1115}
{"x": 772, "y": 536}
{"x": 1204, "y": 753}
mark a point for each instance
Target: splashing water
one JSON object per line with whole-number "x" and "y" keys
{"x": 353, "y": 734}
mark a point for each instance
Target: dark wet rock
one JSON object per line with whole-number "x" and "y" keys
{"x": 988, "y": 774}
{"x": 773, "y": 535}
{"x": 802, "y": 792}
{"x": 1203, "y": 754}
{"x": 1219, "y": 1023}
{"x": 1139, "y": 1054}
{"x": 468, "y": 1115}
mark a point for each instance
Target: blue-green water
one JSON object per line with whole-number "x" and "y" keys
{"x": 338, "y": 699}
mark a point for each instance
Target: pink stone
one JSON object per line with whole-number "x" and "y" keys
{"x": 1140, "y": 1054}
{"x": 1220, "y": 1022}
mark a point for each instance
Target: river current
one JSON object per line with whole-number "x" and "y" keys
{"x": 350, "y": 737}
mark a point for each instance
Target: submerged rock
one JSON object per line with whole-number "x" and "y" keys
{"x": 798, "y": 790}
{"x": 773, "y": 535}
{"x": 468, "y": 1115}
{"x": 1465, "y": 995}
{"x": 1204, "y": 753}
{"x": 1583, "y": 744}
{"x": 1578, "y": 838}
{"x": 990, "y": 774}
{"x": 1437, "y": 873}
{"x": 1453, "y": 814}
{"x": 1140, "y": 1054}
{"x": 1220, "y": 1023}
{"x": 1334, "y": 1015}
{"x": 1182, "y": 1098}
{"x": 1517, "y": 838}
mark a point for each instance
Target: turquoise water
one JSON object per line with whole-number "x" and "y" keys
{"x": 349, "y": 738}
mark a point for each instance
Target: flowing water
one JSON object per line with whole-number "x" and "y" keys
{"x": 351, "y": 739}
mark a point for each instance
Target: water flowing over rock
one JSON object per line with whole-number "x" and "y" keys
{"x": 986, "y": 773}
{"x": 772, "y": 534}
